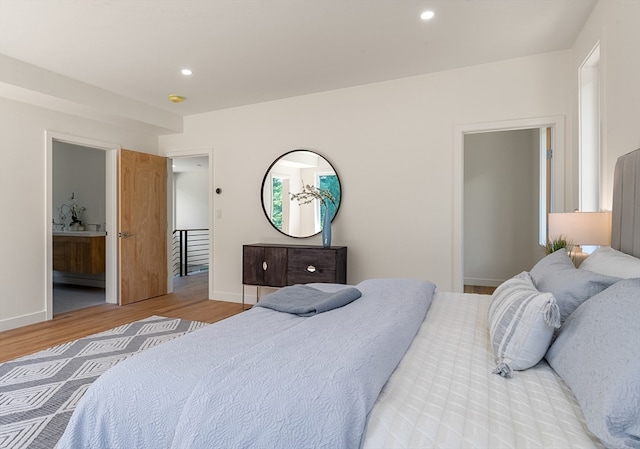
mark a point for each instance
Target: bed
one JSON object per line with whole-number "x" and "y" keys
{"x": 550, "y": 360}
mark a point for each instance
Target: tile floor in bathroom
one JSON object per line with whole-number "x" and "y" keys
{"x": 67, "y": 297}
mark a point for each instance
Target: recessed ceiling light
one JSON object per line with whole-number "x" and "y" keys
{"x": 427, "y": 15}
{"x": 186, "y": 72}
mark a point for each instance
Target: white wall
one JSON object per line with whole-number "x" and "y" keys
{"x": 79, "y": 171}
{"x": 392, "y": 145}
{"x": 192, "y": 199}
{"x": 616, "y": 25}
{"x": 500, "y": 205}
{"x": 24, "y": 227}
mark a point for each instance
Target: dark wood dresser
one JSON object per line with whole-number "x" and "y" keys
{"x": 269, "y": 265}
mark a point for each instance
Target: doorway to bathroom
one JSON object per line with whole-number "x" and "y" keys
{"x": 78, "y": 226}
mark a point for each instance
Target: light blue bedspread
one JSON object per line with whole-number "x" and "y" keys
{"x": 304, "y": 300}
{"x": 260, "y": 379}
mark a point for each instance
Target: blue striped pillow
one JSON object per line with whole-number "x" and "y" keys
{"x": 521, "y": 324}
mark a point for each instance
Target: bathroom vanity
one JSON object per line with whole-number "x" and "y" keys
{"x": 79, "y": 251}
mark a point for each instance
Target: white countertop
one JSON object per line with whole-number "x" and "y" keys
{"x": 80, "y": 233}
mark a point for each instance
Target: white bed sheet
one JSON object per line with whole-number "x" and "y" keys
{"x": 443, "y": 395}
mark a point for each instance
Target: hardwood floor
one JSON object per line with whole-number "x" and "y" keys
{"x": 481, "y": 290}
{"x": 189, "y": 301}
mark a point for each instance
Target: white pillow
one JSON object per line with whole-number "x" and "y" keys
{"x": 606, "y": 260}
{"x": 521, "y": 324}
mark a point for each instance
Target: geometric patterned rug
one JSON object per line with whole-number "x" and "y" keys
{"x": 39, "y": 392}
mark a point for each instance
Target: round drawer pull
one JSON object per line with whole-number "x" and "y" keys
{"x": 264, "y": 266}
{"x": 311, "y": 269}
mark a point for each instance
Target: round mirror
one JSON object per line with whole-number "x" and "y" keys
{"x": 288, "y": 175}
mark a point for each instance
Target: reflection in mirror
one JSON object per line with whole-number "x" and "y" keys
{"x": 287, "y": 175}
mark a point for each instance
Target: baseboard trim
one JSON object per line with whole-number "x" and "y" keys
{"x": 24, "y": 320}
{"x": 250, "y": 295}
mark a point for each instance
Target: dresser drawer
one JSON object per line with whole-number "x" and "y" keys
{"x": 311, "y": 265}
{"x": 323, "y": 259}
{"x": 311, "y": 274}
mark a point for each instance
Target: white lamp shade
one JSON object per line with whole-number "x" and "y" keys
{"x": 581, "y": 228}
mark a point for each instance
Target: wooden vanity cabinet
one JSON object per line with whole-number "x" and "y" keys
{"x": 79, "y": 254}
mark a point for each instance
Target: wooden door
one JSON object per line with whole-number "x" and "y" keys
{"x": 142, "y": 226}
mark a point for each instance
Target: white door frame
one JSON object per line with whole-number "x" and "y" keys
{"x": 111, "y": 213}
{"x": 556, "y": 122}
{"x": 190, "y": 153}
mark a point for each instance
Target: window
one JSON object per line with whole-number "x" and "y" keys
{"x": 546, "y": 175}
{"x": 589, "y": 139}
{"x": 276, "y": 194}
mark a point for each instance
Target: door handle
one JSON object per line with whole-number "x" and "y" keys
{"x": 124, "y": 235}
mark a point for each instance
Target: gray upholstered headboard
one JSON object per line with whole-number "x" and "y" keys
{"x": 625, "y": 225}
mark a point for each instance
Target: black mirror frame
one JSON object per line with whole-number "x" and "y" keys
{"x": 266, "y": 176}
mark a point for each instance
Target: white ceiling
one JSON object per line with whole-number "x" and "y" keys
{"x": 250, "y": 51}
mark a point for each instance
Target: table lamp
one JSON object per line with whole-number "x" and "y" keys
{"x": 581, "y": 228}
